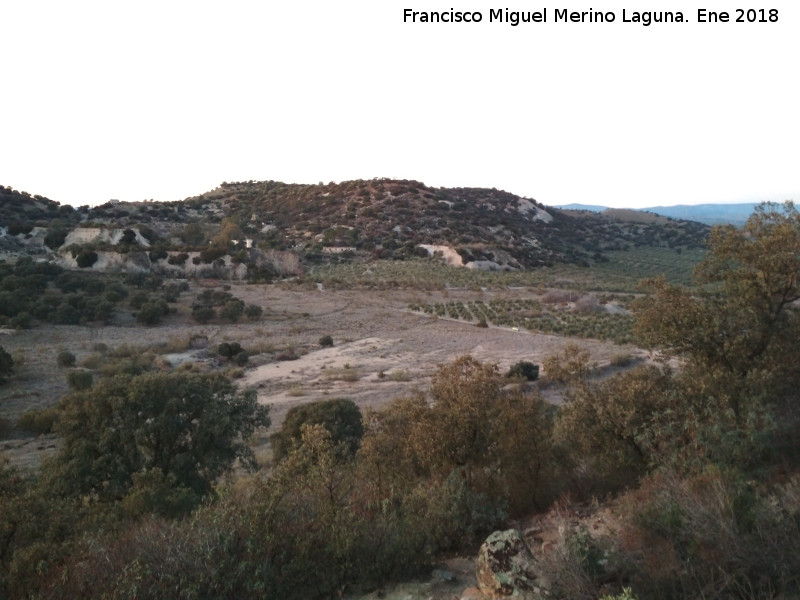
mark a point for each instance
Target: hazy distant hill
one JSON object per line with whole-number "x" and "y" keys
{"x": 577, "y": 206}
{"x": 710, "y": 214}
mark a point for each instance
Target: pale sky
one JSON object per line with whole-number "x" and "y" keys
{"x": 167, "y": 99}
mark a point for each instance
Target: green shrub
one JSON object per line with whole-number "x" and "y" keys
{"x": 524, "y": 369}
{"x": 151, "y": 313}
{"x": 326, "y": 341}
{"x": 232, "y": 310}
{"x": 65, "y": 358}
{"x": 38, "y": 421}
{"x": 340, "y": 416}
{"x": 86, "y": 258}
{"x": 79, "y": 380}
{"x": 229, "y": 349}
{"x": 203, "y": 313}
{"x": 253, "y": 311}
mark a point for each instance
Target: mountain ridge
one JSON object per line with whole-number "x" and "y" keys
{"x": 375, "y": 219}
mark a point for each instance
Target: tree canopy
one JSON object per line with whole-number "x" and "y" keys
{"x": 737, "y": 325}
{"x": 177, "y": 430}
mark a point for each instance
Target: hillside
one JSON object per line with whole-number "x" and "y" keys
{"x": 381, "y": 218}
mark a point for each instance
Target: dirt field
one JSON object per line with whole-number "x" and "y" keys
{"x": 381, "y": 350}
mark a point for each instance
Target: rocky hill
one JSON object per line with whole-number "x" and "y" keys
{"x": 365, "y": 219}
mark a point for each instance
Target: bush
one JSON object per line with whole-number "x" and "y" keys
{"x": 152, "y": 312}
{"x": 326, "y": 341}
{"x": 79, "y": 380}
{"x": 6, "y": 365}
{"x": 232, "y": 310}
{"x": 65, "y": 358}
{"x": 341, "y": 417}
{"x": 253, "y": 311}
{"x": 229, "y": 349}
{"x": 203, "y": 313}
{"x": 55, "y": 238}
{"x": 86, "y": 258}
{"x": 525, "y": 369}
{"x": 38, "y": 421}
{"x": 178, "y": 259}
{"x": 153, "y": 435}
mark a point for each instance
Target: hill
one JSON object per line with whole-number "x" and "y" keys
{"x": 379, "y": 218}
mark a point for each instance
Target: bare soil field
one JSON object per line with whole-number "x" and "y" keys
{"x": 381, "y": 350}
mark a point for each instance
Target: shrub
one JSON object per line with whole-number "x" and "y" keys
{"x": 524, "y": 369}
{"x": 155, "y": 434}
{"x": 79, "y": 380}
{"x": 326, "y": 341}
{"x": 232, "y": 310}
{"x": 151, "y": 313}
{"x": 65, "y": 358}
{"x": 38, "y": 421}
{"x": 203, "y": 313}
{"x": 86, "y": 258}
{"x": 55, "y": 238}
{"x": 253, "y": 311}
{"x": 6, "y": 365}
{"x": 569, "y": 366}
{"x": 138, "y": 299}
{"x": 156, "y": 255}
{"x": 178, "y": 259}
{"x": 340, "y": 416}
{"x": 229, "y": 349}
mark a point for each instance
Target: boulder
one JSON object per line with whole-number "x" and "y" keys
{"x": 506, "y": 568}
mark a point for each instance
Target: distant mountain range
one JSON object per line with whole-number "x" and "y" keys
{"x": 710, "y": 214}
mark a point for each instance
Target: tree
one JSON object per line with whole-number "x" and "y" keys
{"x": 498, "y": 441}
{"x": 177, "y": 431}
{"x": 615, "y": 424}
{"x": 340, "y": 416}
{"x": 737, "y": 328}
{"x": 86, "y": 258}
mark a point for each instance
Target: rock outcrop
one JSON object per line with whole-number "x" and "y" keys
{"x": 506, "y": 568}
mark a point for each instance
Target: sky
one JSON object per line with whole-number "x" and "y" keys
{"x": 167, "y": 99}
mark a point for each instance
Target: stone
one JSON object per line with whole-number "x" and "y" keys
{"x": 506, "y": 568}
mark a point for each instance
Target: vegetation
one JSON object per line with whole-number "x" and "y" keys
{"x": 524, "y": 369}
{"x": 540, "y": 316}
{"x": 700, "y": 458}
{"x": 6, "y": 365}
{"x": 156, "y": 441}
{"x": 340, "y": 417}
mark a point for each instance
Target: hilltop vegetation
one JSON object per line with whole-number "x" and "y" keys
{"x": 387, "y": 219}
